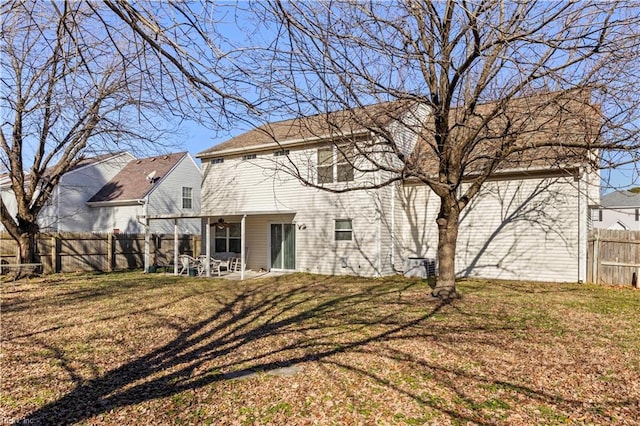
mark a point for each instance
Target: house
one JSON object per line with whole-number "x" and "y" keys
{"x": 161, "y": 185}
{"x": 529, "y": 221}
{"x": 66, "y": 209}
{"x": 107, "y": 193}
{"x": 618, "y": 210}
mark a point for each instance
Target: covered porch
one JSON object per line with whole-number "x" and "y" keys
{"x": 262, "y": 241}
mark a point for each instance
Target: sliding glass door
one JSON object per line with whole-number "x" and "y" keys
{"x": 283, "y": 246}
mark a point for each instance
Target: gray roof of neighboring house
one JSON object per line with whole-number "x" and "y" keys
{"x": 620, "y": 199}
{"x": 132, "y": 182}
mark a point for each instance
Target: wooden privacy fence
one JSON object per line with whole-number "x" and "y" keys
{"x": 614, "y": 257}
{"x": 74, "y": 252}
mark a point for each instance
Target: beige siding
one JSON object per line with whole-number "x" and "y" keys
{"x": 517, "y": 229}
{"x": 261, "y": 185}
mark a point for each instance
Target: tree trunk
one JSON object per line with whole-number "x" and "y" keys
{"x": 27, "y": 253}
{"x": 447, "y": 238}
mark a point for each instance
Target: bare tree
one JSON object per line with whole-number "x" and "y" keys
{"x": 505, "y": 83}
{"x": 72, "y": 85}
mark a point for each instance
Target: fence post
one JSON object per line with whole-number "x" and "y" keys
{"x": 54, "y": 254}
{"x": 109, "y": 252}
{"x": 596, "y": 258}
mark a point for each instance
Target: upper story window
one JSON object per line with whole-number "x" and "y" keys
{"x": 281, "y": 153}
{"x": 335, "y": 164}
{"x": 249, "y": 157}
{"x": 637, "y": 215}
{"x": 217, "y": 160}
{"x": 187, "y": 197}
{"x": 596, "y": 214}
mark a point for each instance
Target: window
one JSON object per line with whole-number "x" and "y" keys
{"x": 335, "y": 164}
{"x": 187, "y": 197}
{"x": 281, "y": 153}
{"x": 325, "y": 165}
{"x": 217, "y": 160}
{"x": 343, "y": 230}
{"x": 345, "y": 163}
{"x": 249, "y": 157}
{"x": 227, "y": 238}
{"x": 596, "y": 214}
{"x": 637, "y": 215}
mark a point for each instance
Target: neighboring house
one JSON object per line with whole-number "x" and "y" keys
{"x": 66, "y": 209}
{"x": 161, "y": 185}
{"x": 618, "y": 210}
{"x": 107, "y": 194}
{"x": 529, "y": 222}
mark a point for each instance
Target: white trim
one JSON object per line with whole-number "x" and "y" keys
{"x": 118, "y": 203}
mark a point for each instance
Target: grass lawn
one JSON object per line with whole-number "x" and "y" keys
{"x": 129, "y": 348}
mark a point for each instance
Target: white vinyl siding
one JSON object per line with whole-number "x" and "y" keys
{"x": 238, "y": 186}
{"x": 514, "y": 229}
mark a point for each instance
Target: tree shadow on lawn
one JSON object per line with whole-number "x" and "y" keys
{"x": 257, "y": 311}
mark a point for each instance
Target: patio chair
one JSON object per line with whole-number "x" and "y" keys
{"x": 214, "y": 265}
{"x": 186, "y": 263}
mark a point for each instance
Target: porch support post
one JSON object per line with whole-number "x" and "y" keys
{"x": 147, "y": 243}
{"x": 207, "y": 249}
{"x": 242, "y": 248}
{"x": 175, "y": 247}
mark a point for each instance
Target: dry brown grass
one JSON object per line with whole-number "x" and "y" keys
{"x": 154, "y": 349}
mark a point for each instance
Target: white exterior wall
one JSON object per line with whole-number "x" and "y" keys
{"x": 619, "y": 218}
{"x": 260, "y": 185}
{"x": 75, "y": 188}
{"x": 514, "y": 229}
{"x": 166, "y": 198}
{"x": 123, "y": 218}
{"x": 66, "y": 210}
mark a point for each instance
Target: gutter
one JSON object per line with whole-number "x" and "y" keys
{"x": 115, "y": 203}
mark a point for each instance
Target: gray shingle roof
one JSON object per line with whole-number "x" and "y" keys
{"x": 620, "y": 199}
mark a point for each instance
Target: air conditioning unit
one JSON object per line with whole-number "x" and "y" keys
{"x": 421, "y": 267}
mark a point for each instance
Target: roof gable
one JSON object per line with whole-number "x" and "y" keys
{"x": 138, "y": 178}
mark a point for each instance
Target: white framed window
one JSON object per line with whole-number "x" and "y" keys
{"x": 637, "y": 215}
{"x": 217, "y": 160}
{"x": 281, "y": 153}
{"x": 227, "y": 238}
{"x": 249, "y": 157}
{"x": 187, "y": 197}
{"x": 335, "y": 164}
{"x": 343, "y": 230}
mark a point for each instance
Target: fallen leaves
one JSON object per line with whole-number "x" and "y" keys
{"x": 304, "y": 349}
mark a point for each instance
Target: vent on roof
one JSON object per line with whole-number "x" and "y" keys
{"x": 139, "y": 161}
{"x": 153, "y": 159}
{"x": 151, "y": 177}
{"x": 166, "y": 157}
